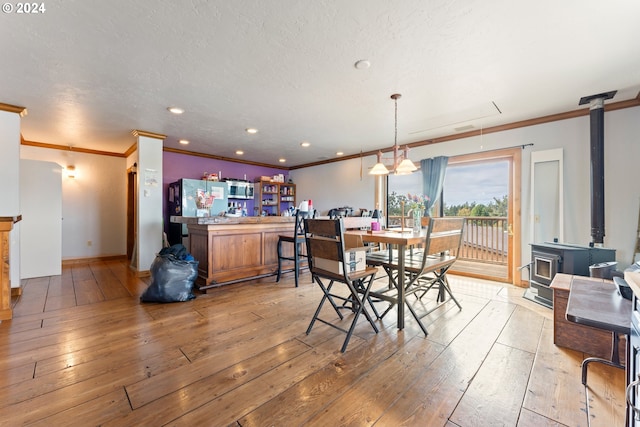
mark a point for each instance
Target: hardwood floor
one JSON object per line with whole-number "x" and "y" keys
{"x": 82, "y": 350}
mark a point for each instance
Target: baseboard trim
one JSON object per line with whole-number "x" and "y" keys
{"x": 75, "y": 261}
{"x": 143, "y": 273}
{"x": 16, "y": 292}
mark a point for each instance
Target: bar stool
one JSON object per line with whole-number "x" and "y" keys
{"x": 297, "y": 239}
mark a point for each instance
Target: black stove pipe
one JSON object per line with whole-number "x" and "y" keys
{"x": 597, "y": 170}
{"x": 596, "y": 114}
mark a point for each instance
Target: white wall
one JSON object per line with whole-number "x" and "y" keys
{"x": 325, "y": 184}
{"x": 93, "y": 203}
{"x": 10, "y": 181}
{"x": 336, "y": 185}
{"x": 149, "y": 201}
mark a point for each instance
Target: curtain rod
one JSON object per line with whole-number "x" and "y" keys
{"x": 523, "y": 146}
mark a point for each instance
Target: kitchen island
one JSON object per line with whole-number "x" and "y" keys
{"x": 233, "y": 249}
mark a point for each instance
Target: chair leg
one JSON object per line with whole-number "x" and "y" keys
{"x": 365, "y": 290}
{"x": 296, "y": 261}
{"x": 444, "y": 286}
{"x": 280, "y": 261}
{"x": 365, "y": 298}
{"x": 415, "y": 316}
{"x": 373, "y": 307}
{"x": 360, "y": 309}
{"x": 326, "y": 296}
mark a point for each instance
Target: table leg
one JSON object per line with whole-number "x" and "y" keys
{"x": 401, "y": 286}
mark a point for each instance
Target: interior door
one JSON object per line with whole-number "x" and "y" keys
{"x": 41, "y": 225}
{"x": 547, "y": 207}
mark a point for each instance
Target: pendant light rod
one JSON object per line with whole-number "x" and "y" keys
{"x": 401, "y": 163}
{"x": 395, "y": 98}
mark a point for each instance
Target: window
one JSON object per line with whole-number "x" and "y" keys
{"x": 477, "y": 188}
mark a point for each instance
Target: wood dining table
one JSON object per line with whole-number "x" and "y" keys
{"x": 402, "y": 239}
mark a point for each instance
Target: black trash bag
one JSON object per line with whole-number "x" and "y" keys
{"x": 171, "y": 280}
{"x": 178, "y": 251}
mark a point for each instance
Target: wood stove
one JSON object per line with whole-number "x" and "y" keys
{"x": 548, "y": 259}
{"x": 551, "y": 258}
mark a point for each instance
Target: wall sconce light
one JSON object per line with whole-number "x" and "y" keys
{"x": 71, "y": 171}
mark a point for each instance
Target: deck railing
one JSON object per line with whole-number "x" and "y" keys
{"x": 485, "y": 239}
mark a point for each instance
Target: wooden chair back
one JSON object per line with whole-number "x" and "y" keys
{"x": 445, "y": 234}
{"x": 324, "y": 240}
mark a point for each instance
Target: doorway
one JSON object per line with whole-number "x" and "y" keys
{"x": 132, "y": 190}
{"x": 493, "y": 244}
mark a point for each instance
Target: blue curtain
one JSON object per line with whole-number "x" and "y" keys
{"x": 433, "y": 171}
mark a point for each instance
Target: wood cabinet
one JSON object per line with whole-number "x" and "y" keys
{"x": 6, "y": 224}
{"x": 592, "y": 341}
{"x": 273, "y": 198}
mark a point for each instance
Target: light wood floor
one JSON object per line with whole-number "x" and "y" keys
{"x": 82, "y": 350}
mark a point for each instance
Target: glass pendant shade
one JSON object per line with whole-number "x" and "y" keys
{"x": 379, "y": 169}
{"x": 406, "y": 167}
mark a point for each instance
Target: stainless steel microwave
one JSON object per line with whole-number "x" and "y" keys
{"x": 240, "y": 189}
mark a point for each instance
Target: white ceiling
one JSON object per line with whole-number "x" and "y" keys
{"x": 89, "y": 72}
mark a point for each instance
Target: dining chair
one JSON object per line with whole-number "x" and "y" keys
{"x": 297, "y": 240}
{"x": 331, "y": 263}
{"x": 426, "y": 266}
{"x": 429, "y": 270}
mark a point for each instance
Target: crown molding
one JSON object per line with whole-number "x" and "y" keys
{"x": 138, "y": 133}
{"x": 22, "y": 111}
{"x": 226, "y": 159}
{"x": 67, "y": 148}
{"x": 131, "y": 150}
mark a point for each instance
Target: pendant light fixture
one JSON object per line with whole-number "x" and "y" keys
{"x": 402, "y": 165}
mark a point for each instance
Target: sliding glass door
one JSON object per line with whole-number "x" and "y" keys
{"x": 485, "y": 189}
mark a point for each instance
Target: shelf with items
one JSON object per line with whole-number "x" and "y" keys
{"x": 267, "y": 198}
{"x": 287, "y": 196}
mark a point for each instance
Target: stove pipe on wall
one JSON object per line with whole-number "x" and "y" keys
{"x": 596, "y": 114}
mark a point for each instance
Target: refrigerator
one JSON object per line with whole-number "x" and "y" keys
{"x": 193, "y": 198}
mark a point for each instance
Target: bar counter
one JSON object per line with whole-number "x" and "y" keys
{"x": 231, "y": 249}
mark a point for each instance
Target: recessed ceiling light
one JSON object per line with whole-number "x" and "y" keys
{"x": 339, "y": 153}
{"x": 239, "y": 152}
{"x": 305, "y": 144}
{"x": 252, "y": 130}
{"x": 183, "y": 142}
{"x": 362, "y": 64}
{"x": 282, "y": 160}
{"x": 175, "y": 110}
